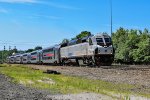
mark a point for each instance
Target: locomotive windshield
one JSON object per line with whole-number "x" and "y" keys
{"x": 108, "y": 41}
{"x": 100, "y": 41}
{"x": 105, "y": 42}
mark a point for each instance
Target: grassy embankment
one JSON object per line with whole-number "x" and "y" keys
{"x": 65, "y": 84}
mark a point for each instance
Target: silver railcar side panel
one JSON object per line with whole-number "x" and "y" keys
{"x": 78, "y": 50}
{"x": 18, "y": 59}
{"x": 26, "y": 58}
{"x": 50, "y": 55}
{"x": 34, "y": 57}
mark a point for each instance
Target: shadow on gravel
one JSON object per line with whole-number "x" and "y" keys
{"x": 128, "y": 67}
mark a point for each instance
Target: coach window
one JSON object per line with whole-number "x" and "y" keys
{"x": 33, "y": 53}
{"x": 90, "y": 41}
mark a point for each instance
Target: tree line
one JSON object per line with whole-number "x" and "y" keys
{"x": 131, "y": 46}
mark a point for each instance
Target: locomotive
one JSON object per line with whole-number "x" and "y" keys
{"x": 91, "y": 50}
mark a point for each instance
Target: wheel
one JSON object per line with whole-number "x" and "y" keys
{"x": 91, "y": 61}
{"x": 63, "y": 62}
{"x": 77, "y": 61}
{"x": 97, "y": 61}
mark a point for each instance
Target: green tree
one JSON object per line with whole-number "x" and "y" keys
{"x": 38, "y": 48}
{"x": 65, "y": 41}
{"x": 29, "y": 50}
{"x": 132, "y": 46}
{"x": 119, "y": 40}
{"x": 142, "y": 53}
{"x": 83, "y": 34}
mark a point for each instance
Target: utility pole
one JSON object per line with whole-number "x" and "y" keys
{"x": 1, "y": 57}
{"x": 4, "y": 54}
{"x": 111, "y": 22}
{"x": 15, "y": 49}
{"x": 9, "y": 53}
{"x": 4, "y": 48}
{"x": 9, "y": 48}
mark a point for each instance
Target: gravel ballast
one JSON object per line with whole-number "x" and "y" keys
{"x": 12, "y": 91}
{"x": 81, "y": 96}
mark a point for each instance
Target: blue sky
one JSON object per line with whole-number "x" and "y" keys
{"x": 28, "y": 23}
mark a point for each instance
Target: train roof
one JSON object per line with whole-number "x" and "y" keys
{"x": 55, "y": 46}
{"x": 34, "y": 51}
{"x": 25, "y": 53}
{"x": 11, "y": 56}
{"x": 102, "y": 35}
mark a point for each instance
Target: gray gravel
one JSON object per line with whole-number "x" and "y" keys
{"x": 81, "y": 96}
{"x": 12, "y": 91}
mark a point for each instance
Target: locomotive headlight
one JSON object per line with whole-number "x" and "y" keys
{"x": 111, "y": 51}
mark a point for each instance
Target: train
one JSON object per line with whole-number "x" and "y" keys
{"x": 95, "y": 50}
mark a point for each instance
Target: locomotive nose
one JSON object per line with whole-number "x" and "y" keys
{"x": 104, "y": 51}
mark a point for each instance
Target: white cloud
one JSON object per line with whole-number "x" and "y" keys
{"x": 48, "y": 3}
{"x": 45, "y": 16}
{"x": 49, "y": 17}
{"x": 3, "y": 11}
{"x": 57, "y": 5}
{"x": 18, "y": 1}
